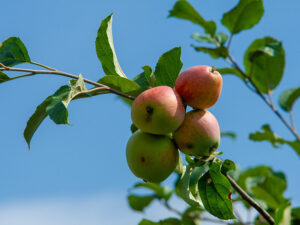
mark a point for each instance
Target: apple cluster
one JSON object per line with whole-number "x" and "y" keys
{"x": 163, "y": 125}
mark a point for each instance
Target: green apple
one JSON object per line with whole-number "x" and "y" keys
{"x": 158, "y": 110}
{"x": 151, "y": 157}
{"x": 199, "y": 86}
{"x": 199, "y": 135}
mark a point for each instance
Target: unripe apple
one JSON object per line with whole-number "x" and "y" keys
{"x": 158, "y": 110}
{"x": 199, "y": 135}
{"x": 151, "y": 157}
{"x": 199, "y": 86}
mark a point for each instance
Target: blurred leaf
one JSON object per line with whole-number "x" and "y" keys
{"x": 288, "y": 98}
{"x": 13, "y": 52}
{"x": 3, "y": 77}
{"x": 233, "y": 71}
{"x": 268, "y": 135}
{"x": 121, "y": 84}
{"x": 283, "y": 215}
{"x": 243, "y": 16}
{"x": 183, "y": 187}
{"x": 228, "y": 134}
{"x": 133, "y": 128}
{"x": 264, "y": 68}
{"x": 149, "y": 75}
{"x": 221, "y": 38}
{"x": 139, "y": 203}
{"x": 295, "y": 216}
{"x": 105, "y": 49}
{"x": 190, "y": 214}
{"x": 213, "y": 52}
{"x": 215, "y": 191}
{"x": 161, "y": 192}
{"x": 227, "y": 166}
{"x": 183, "y": 10}
{"x": 180, "y": 168}
{"x": 168, "y": 68}
{"x": 169, "y": 221}
{"x": 264, "y": 184}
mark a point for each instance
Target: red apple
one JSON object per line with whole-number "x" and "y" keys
{"x": 199, "y": 86}
{"x": 158, "y": 110}
{"x": 199, "y": 135}
{"x": 151, "y": 157}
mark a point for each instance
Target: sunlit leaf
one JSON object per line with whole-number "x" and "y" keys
{"x": 105, "y": 49}
{"x": 283, "y": 215}
{"x": 219, "y": 52}
{"x": 139, "y": 203}
{"x": 160, "y": 191}
{"x": 288, "y": 98}
{"x": 243, "y": 16}
{"x": 184, "y": 10}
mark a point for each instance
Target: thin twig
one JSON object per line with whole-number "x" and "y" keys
{"x": 41, "y": 65}
{"x": 260, "y": 94}
{"x": 292, "y": 118}
{"x": 56, "y": 72}
{"x": 251, "y": 201}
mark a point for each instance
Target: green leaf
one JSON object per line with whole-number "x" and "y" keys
{"x": 183, "y": 187}
{"x": 215, "y": 192}
{"x": 168, "y": 221}
{"x": 213, "y": 52}
{"x": 13, "y": 52}
{"x": 55, "y": 106}
{"x": 265, "y": 185}
{"x": 121, "y": 84}
{"x": 295, "y": 216}
{"x": 219, "y": 38}
{"x": 268, "y": 135}
{"x": 243, "y": 16}
{"x": 141, "y": 80}
{"x": 228, "y": 134}
{"x": 105, "y": 49}
{"x": 190, "y": 214}
{"x": 183, "y": 10}
{"x": 283, "y": 215}
{"x": 168, "y": 68}
{"x": 139, "y": 203}
{"x": 160, "y": 192}
{"x": 3, "y": 77}
{"x": 265, "y": 68}
{"x": 288, "y": 98}
{"x": 227, "y": 166}
{"x": 233, "y": 71}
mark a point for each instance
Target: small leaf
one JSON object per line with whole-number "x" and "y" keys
{"x": 149, "y": 74}
{"x": 264, "y": 68}
{"x": 133, "y": 128}
{"x": 228, "y": 134}
{"x": 169, "y": 221}
{"x": 121, "y": 84}
{"x": 227, "y": 166}
{"x": 215, "y": 191}
{"x": 13, "y": 52}
{"x": 139, "y": 203}
{"x": 142, "y": 80}
{"x": 161, "y": 192}
{"x": 233, "y": 71}
{"x": 168, "y": 68}
{"x": 265, "y": 185}
{"x": 3, "y": 77}
{"x": 147, "y": 222}
{"x": 268, "y": 135}
{"x": 288, "y": 98}
{"x": 183, "y": 10}
{"x": 283, "y": 215}
{"x": 219, "y": 38}
{"x": 213, "y": 52}
{"x": 243, "y": 16}
{"x": 105, "y": 49}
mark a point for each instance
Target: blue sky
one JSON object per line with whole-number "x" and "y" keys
{"x": 72, "y": 164}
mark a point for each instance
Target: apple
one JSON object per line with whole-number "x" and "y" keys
{"x": 199, "y": 135}
{"x": 151, "y": 157}
{"x": 199, "y": 86}
{"x": 158, "y": 110}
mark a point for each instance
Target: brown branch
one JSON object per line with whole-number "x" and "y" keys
{"x": 31, "y": 72}
{"x": 251, "y": 201}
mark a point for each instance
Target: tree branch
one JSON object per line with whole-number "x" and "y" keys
{"x": 260, "y": 94}
{"x": 31, "y": 72}
{"x": 251, "y": 201}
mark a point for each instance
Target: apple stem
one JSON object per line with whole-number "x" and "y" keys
{"x": 213, "y": 69}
